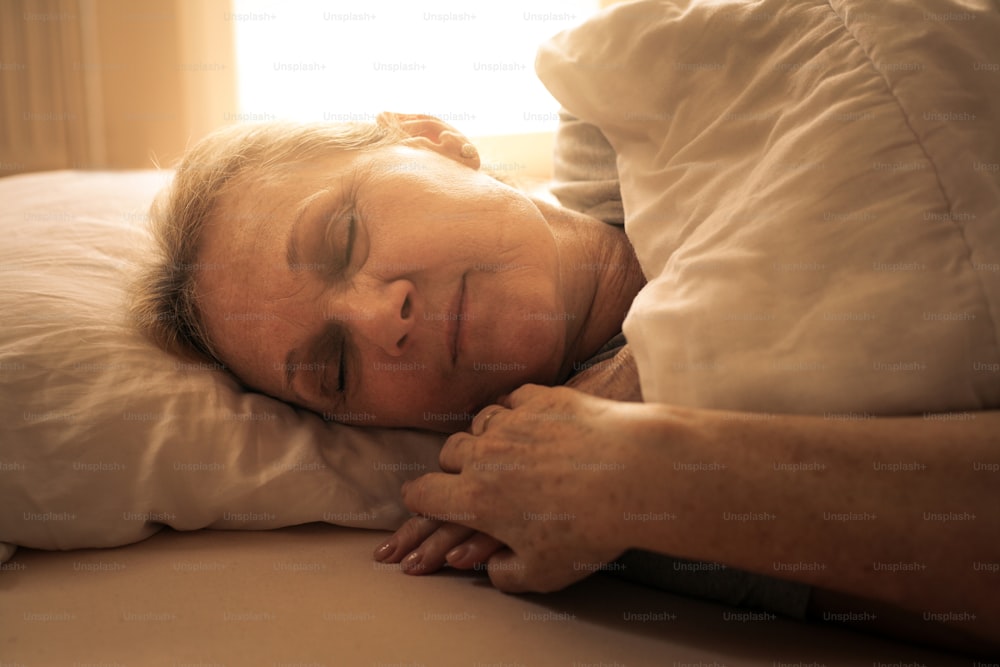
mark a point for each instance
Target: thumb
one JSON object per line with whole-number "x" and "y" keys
{"x": 434, "y": 495}
{"x": 507, "y": 571}
{"x": 522, "y": 395}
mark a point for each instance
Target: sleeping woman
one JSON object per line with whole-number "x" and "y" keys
{"x": 761, "y": 415}
{"x": 375, "y": 274}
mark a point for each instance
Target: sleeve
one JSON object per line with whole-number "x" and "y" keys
{"x": 716, "y": 582}
{"x": 585, "y": 172}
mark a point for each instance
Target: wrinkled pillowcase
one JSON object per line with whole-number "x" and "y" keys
{"x": 104, "y": 438}
{"x": 809, "y": 190}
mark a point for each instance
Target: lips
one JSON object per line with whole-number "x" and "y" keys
{"x": 454, "y": 327}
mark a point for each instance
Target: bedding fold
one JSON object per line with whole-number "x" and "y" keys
{"x": 812, "y": 191}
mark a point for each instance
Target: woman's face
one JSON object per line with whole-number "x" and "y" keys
{"x": 398, "y": 286}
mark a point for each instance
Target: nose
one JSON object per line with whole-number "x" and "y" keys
{"x": 381, "y": 313}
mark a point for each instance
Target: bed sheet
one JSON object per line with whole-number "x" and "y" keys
{"x": 311, "y": 595}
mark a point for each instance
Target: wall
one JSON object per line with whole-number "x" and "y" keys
{"x": 111, "y": 83}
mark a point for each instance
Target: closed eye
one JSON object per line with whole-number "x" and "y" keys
{"x": 339, "y": 238}
{"x": 329, "y": 350}
{"x": 352, "y": 231}
{"x": 342, "y": 367}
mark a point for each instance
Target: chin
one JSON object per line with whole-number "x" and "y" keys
{"x": 444, "y": 421}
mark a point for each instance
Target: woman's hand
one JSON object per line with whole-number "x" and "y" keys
{"x": 423, "y": 545}
{"x": 566, "y": 481}
{"x": 546, "y": 474}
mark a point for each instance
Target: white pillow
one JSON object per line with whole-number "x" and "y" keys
{"x": 812, "y": 190}
{"x": 104, "y": 438}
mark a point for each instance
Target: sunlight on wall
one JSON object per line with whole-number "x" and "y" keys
{"x": 469, "y": 63}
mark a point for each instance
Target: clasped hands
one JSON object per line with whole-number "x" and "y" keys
{"x": 524, "y": 493}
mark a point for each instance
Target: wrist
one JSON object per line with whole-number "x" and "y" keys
{"x": 656, "y": 501}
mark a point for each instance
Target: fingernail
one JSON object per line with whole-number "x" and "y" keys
{"x": 403, "y": 490}
{"x": 385, "y": 550}
{"x": 457, "y": 554}
{"x": 411, "y": 562}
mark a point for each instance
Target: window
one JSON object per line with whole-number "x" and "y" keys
{"x": 469, "y": 63}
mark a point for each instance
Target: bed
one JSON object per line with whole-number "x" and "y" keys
{"x": 123, "y": 556}
{"x": 311, "y": 595}
{"x": 154, "y": 512}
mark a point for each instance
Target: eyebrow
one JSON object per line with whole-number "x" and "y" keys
{"x": 292, "y": 254}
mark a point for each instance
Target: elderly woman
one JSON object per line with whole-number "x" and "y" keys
{"x": 374, "y": 270}
{"x": 779, "y": 297}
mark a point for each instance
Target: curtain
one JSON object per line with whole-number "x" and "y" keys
{"x": 91, "y": 84}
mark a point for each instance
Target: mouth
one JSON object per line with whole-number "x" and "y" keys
{"x": 454, "y": 328}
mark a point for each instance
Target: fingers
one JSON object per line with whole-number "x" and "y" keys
{"x": 421, "y": 544}
{"x": 457, "y": 448}
{"x": 406, "y": 538}
{"x": 511, "y": 573}
{"x": 522, "y": 395}
{"x": 437, "y": 496}
{"x": 473, "y": 552}
{"x": 430, "y": 555}
{"x": 507, "y": 572}
{"x": 482, "y": 419}
{"x": 454, "y": 452}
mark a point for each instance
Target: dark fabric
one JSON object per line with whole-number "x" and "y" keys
{"x": 712, "y": 581}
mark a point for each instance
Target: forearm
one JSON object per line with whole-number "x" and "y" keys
{"x": 826, "y": 502}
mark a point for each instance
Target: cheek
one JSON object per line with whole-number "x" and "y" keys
{"x": 518, "y": 334}
{"x": 519, "y": 305}
{"x": 402, "y": 394}
{"x": 531, "y": 345}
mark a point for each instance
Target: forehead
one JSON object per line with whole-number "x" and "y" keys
{"x": 238, "y": 246}
{"x": 261, "y": 197}
{"x": 258, "y": 207}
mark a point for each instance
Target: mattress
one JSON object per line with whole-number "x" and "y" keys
{"x": 312, "y": 595}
